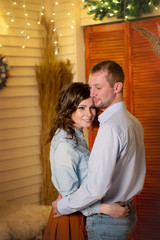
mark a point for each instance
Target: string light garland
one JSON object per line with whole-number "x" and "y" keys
{"x": 24, "y": 30}
{"x": 121, "y": 9}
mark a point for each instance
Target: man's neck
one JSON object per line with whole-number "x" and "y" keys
{"x": 119, "y": 98}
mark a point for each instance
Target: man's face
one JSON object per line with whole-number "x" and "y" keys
{"x": 100, "y": 90}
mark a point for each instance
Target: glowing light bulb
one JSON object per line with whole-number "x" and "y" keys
{"x": 129, "y": 6}
{"x": 23, "y": 46}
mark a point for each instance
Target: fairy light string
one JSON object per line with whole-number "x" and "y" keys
{"x": 24, "y": 32}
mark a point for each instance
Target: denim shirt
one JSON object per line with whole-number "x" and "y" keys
{"x": 69, "y": 165}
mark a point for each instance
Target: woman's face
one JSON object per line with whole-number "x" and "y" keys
{"x": 84, "y": 115}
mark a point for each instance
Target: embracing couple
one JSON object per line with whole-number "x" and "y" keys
{"x": 97, "y": 188}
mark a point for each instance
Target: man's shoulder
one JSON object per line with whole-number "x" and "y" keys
{"x": 121, "y": 120}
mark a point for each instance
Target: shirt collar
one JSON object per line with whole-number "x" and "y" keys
{"x": 110, "y": 111}
{"x": 78, "y": 133}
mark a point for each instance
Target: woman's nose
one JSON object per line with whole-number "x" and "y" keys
{"x": 89, "y": 113}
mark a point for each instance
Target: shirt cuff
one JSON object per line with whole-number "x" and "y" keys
{"x": 93, "y": 209}
{"x": 63, "y": 208}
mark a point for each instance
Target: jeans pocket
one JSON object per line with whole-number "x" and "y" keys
{"x": 105, "y": 227}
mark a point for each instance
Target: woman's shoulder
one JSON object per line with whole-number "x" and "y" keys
{"x": 62, "y": 137}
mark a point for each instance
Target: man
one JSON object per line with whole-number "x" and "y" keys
{"x": 116, "y": 168}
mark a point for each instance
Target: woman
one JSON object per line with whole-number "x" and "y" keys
{"x": 69, "y": 161}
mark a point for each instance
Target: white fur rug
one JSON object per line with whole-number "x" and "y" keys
{"x": 22, "y": 222}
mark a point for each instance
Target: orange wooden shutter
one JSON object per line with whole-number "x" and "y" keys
{"x": 146, "y": 92}
{"x": 121, "y": 43}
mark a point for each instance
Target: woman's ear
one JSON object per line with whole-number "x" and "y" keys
{"x": 118, "y": 87}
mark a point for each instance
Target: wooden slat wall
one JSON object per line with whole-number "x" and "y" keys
{"x": 20, "y": 117}
{"x": 120, "y": 42}
{"x": 71, "y": 39}
{"x": 63, "y": 23}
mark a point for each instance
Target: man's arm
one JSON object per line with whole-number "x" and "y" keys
{"x": 100, "y": 170}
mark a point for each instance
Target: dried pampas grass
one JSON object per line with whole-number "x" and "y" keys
{"x": 52, "y": 75}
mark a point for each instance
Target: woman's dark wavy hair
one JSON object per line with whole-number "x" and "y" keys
{"x": 68, "y": 101}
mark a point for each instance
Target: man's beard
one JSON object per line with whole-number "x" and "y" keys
{"x": 103, "y": 106}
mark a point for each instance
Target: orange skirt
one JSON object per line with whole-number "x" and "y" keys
{"x": 69, "y": 227}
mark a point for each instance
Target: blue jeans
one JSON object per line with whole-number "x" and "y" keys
{"x": 101, "y": 227}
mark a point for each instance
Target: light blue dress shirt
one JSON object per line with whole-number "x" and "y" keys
{"x": 116, "y": 169}
{"x": 69, "y": 165}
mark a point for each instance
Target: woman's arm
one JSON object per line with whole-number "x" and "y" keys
{"x": 114, "y": 210}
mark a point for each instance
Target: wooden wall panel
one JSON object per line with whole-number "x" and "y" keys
{"x": 17, "y": 102}
{"x": 20, "y": 166}
{"x": 19, "y": 142}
